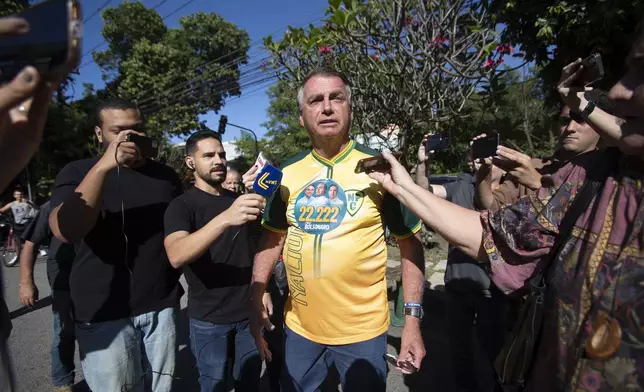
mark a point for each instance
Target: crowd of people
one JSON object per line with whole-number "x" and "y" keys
{"x": 307, "y": 290}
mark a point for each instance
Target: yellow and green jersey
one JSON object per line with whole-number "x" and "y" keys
{"x": 335, "y": 251}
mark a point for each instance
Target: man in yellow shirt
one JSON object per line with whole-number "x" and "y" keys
{"x": 335, "y": 254}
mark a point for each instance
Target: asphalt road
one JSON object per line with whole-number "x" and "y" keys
{"x": 30, "y": 344}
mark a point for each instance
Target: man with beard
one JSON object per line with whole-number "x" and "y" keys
{"x": 208, "y": 234}
{"x": 125, "y": 294}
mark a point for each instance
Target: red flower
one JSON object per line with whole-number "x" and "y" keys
{"x": 375, "y": 57}
{"x": 499, "y": 61}
{"x": 408, "y": 20}
{"x": 503, "y": 49}
{"x": 325, "y": 49}
{"x": 488, "y": 64}
{"x": 439, "y": 39}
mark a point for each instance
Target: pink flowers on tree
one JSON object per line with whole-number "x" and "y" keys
{"x": 325, "y": 49}
{"x": 501, "y": 50}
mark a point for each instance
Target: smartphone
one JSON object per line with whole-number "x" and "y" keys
{"x": 593, "y": 70}
{"x": 374, "y": 163}
{"x": 393, "y": 360}
{"x": 486, "y": 146}
{"x": 148, "y": 147}
{"x": 52, "y": 45}
{"x": 439, "y": 141}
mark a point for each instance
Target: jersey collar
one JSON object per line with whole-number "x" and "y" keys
{"x": 336, "y": 159}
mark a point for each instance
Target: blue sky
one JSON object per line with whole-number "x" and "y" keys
{"x": 258, "y": 17}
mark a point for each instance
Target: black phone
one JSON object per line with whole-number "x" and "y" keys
{"x": 374, "y": 163}
{"x": 148, "y": 147}
{"x": 486, "y": 146}
{"x": 439, "y": 141}
{"x": 593, "y": 70}
{"x": 52, "y": 45}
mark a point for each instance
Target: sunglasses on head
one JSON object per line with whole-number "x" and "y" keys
{"x": 572, "y": 116}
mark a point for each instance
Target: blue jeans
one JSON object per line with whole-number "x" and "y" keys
{"x": 131, "y": 354}
{"x": 63, "y": 342}
{"x": 210, "y": 346}
{"x": 362, "y": 366}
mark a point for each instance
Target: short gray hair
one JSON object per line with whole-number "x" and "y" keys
{"x": 324, "y": 72}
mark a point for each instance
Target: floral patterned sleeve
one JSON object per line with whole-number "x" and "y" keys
{"x": 518, "y": 237}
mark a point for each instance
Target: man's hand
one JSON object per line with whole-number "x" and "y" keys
{"x": 260, "y": 320}
{"x": 28, "y": 293}
{"x": 424, "y": 156}
{"x": 573, "y": 96}
{"x": 249, "y": 178}
{"x": 394, "y": 179}
{"x": 246, "y": 208}
{"x": 519, "y": 166}
{"x": 121, "y": 152}
{"x": 412, "y": 348}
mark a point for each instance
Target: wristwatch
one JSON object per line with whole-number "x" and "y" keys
{"x": 414, "y": 309}
{"x": 590, "y": 106}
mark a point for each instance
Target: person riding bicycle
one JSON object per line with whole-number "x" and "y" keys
{"x": 23, "y": 211}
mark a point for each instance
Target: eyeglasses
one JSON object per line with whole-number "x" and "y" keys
{"x": 572, "y": 116}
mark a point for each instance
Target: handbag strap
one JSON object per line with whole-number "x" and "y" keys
{"x": 592, "y": 187}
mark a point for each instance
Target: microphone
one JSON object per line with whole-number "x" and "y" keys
{"x": 268, "y": 181}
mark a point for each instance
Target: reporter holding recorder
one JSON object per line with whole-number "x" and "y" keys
{"x": 208, "y": 235}
{"x": 590, "y": 338}
{"x": 124, "y": 292}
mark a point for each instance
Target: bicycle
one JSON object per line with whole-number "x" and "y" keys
{"x": 11, "y": 244}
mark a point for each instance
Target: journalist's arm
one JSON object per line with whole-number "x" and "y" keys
{"x": 184, "y": 247}
{"x": 459, "y": 226}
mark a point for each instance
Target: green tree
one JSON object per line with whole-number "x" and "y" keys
{"x": 412, "y": 63}
{"x": 517, "y": 112}
{"x": 554, "y": 33}
{"x": 175, "y": 74}
{"x": 285, "y": 137}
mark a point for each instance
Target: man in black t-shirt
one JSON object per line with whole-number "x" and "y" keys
{"x": 125, "y": 293}
{"x": 60, "y": 257}
{"x": 208, "y": 235}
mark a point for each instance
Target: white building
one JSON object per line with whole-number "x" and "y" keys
{"x": 387, "y": 140}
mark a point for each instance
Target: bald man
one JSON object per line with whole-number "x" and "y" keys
{"x": 233, "y": 181}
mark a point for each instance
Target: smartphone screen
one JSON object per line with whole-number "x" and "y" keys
{"x": 148, "y": 147}
{"x": 45, "y": 46}
{"x": 485, "y": 147}
{"x": 374, "y": 163}
{"x": 439, "y": 141}
{"x": 593, "y": 70}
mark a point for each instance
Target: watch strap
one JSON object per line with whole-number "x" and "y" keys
{"x": 590, "y": 106}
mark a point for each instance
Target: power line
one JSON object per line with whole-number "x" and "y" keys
{"x": 219, "y": 88}
{"x": 256, "y": 43}
{"x": 98, "y": 10}
{"x": 180, "y": 88}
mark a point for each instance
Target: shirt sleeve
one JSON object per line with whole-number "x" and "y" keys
{"x": 66, "y": 183}
{"x": 275, "y": 213}
{"x": 401, "y": 222}
{"x": 507, "y": 193}
{"x": 178, "y": 217}
{"x": 38, "y": 230}
{"x": 449, "y": 189}
{"x": 518, "y": 237}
